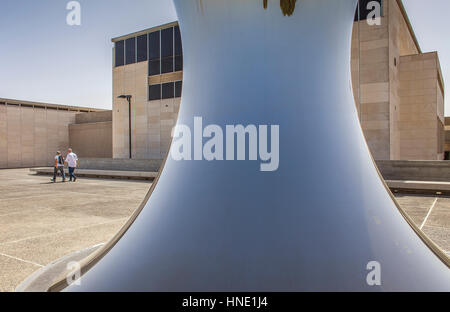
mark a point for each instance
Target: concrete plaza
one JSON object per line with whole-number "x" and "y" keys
{"x": 41, "y": 222}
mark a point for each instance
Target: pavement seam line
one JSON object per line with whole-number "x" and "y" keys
{"x": 18, "y": 198}
{"x": 428, "y": 214}
{"x": 22, "y": 260}
{"x": 60, "y": 232}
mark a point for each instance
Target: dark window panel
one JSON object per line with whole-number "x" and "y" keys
{"x": 364, "y": 12}
{"x": 178, "y": 63}
{"x": 168, "y": 90}
{"x": 142, "y": 48}
{"x": 178, "y": 88}
{"x": 154, "y": 46}
{"x": 120, "y": 53}
{"x": 167, "y": 65}
{"x": 154, "y": 92}
{"x": 154, "y": 68}
{"x": 178, "y": 45}
{"x": 167, "y": 42}
{"x": 130, "y": 50}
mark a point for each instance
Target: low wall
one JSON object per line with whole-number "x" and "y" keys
{"x": 151, "y": 165}
{"x": 93, "y": 117}
{"x": 91, "y": 139}
{"x": 433, "y": 170}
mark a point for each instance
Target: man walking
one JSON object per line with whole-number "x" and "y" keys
{"x": 59, "y": 166}
{"x": 72, "y": 163}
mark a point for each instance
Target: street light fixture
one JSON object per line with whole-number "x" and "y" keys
{"x": 128, "y": 98}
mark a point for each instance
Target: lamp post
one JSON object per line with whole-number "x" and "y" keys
{"x": 128, "y": 98}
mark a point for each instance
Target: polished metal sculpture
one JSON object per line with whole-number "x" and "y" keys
{"x": 312, "y": 225}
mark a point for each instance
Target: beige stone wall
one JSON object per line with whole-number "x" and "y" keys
{"x": 441, "y": 117}
{"x": 91, "y": 117}
{"x": 419, "y": 114}
{"x": 30, "y": 136}
{"x": 130, "y": 80}
{"x": 151, "y": 121}
{"x": 3, "y": 138}
{"x": 13, "y": 136}
{"x": 401, "y": 42}
{"x": 393, "y": 124}
{"x": 93, "y": 140}
{"x": 370, "y": 77}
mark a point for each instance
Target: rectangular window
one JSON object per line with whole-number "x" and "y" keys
{"x": 178, "y": 88}
{"x": 178, "y": 50}
{"x": 154, "y": 46}
{"x": 142, "y": 48}
{"x": 167, "y": 42}
{"x": 154, "y": 53}
{"x": 167, "y": 49}
{"x": 179, "y": 63}
{"x": 130, "y": 50}
{"x": 167, "y": 65}
{"x": 154, "y": 68}
{"x": 120, "y": 53}
{"x": 362, "y": 14}
{"x": 168, "y": 91}
{"x": 154, "y": 92}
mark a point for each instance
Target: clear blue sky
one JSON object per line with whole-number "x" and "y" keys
{"x": 44, "y": 59}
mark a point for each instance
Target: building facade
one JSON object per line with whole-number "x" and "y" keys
{"x": 399, "y": 91}
{"x": 31, "y": 133}
{"x": 148, "y": 65}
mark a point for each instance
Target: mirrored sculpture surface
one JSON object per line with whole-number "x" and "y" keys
{"x": 317, "y": 221}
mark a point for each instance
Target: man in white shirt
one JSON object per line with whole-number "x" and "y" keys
{"x": 72, "y": 163}
{"x": 58, "y": 166}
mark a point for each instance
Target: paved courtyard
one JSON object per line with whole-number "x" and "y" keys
{"x": 41, "y": 222}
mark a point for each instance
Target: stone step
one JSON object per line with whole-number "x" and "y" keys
{"x": 432, "y": 187}
{"x": 145, "y": 175}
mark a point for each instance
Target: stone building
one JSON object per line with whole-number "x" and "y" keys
{"x": 399, "y": 91}
{"x": 31, "y": 132}
{"x": 148, "y": 66}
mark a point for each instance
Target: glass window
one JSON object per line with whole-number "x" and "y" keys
{"x": 167, "y": 65}
{"x": 178, "y": 50}
{"x": 178, "y": 88}
{"x": 154, "y": 92}
{"x": 167, "y": 42}
{"x": 178, "y": 45}
{"x": 168, "y": 91}
{"x": 179, "y": 63}
{"x": 154, "y": 46}
{"x": 154, "y": 53}
{"x": 120, "y": 53}
{"x": 154, "y": 68}
{"x": 130, "y": 50}
{"x": 167, "y": 56}
{"x": 142, "y": 48}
